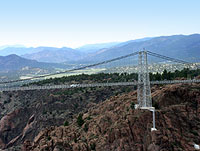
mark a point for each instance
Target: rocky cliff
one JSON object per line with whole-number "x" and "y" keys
{"x": 23, "y": 114}
{"x": 114, "y": 125}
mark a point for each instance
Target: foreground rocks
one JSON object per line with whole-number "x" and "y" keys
{"x": 114, "y": 125}
{"x": 23, "y": 114}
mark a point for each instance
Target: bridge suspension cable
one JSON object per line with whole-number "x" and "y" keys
{"x": 71, "y": 70}
{"x": 169, "y": 58}
{"x": 98, "y": 64}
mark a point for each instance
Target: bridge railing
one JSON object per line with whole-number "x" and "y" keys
{"x": 95, "y": 85}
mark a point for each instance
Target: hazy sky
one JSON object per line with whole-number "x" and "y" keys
{"x": 76, "y": 22}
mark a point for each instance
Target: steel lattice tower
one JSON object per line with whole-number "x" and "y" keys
{"x": 144, "y": 91}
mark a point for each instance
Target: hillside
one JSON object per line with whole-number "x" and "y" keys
{"x": 177, "y": 46}
{"x": 23, "y": 114}
{"x": 14, "y": 62}
{"x": 56, "y": 55}
{"x": 92, "y": 48}
{"x": 22, "y": 50}
{"x": 115, "y": 125}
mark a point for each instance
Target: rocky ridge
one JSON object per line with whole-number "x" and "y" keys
{"x": 23, "y": 114}
{"x": 115, "y": 125}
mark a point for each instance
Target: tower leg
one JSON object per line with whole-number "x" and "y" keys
{"x": 144, "y": 91}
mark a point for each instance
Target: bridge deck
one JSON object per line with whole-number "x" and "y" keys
{"x": 94, "y": 85}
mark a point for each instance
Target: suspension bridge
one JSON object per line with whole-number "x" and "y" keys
{"x": 62, "y": 86}
{"x": 143, "y": 84}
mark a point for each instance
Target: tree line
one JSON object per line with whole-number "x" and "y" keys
{"x": 119, "y": 77}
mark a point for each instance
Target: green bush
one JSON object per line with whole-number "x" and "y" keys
{"x": 93, "y": 146}
{"x": 194, "y": 132}
{"x": 89, "y": 118}
{"x": 75, "y": 140}
{"x": 49, "y": 138}
{"x": 132, "y": 105}
{"x": 85, "y": 127}
{"x": 80, "y": 120}
{"x": 66, "y": 123}
{"x": 76, "y": 105}
{"x": 155, "y": 104}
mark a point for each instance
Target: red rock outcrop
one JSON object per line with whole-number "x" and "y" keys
{"x": 10, "y": 127}
{"x": 114, "y": 125}
{"x": 23, "y": 114}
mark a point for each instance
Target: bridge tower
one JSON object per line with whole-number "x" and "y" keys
{"x": 143, "y": 90}
{"x": 143, "y": 87}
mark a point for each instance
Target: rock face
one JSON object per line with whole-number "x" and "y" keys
{"x": 114, "y": 125}
{"x": 10, "y": 126}
{"x": 23, "y": 114}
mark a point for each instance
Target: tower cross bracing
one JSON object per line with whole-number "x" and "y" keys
{"x": 143, "y": 90}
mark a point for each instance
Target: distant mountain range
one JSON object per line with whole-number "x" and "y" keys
{"x": 178, "y": 46}
{"x": 15, "y": 46}
{"x": 185, "y": 47}
{"x": 59, "y": 55}
{"x": 55, "y": 55}
{"x": 91, "y": 48}
{"x": 23, "y": 50}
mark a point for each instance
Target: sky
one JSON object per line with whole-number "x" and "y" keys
{"x": 73, "y": 23}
